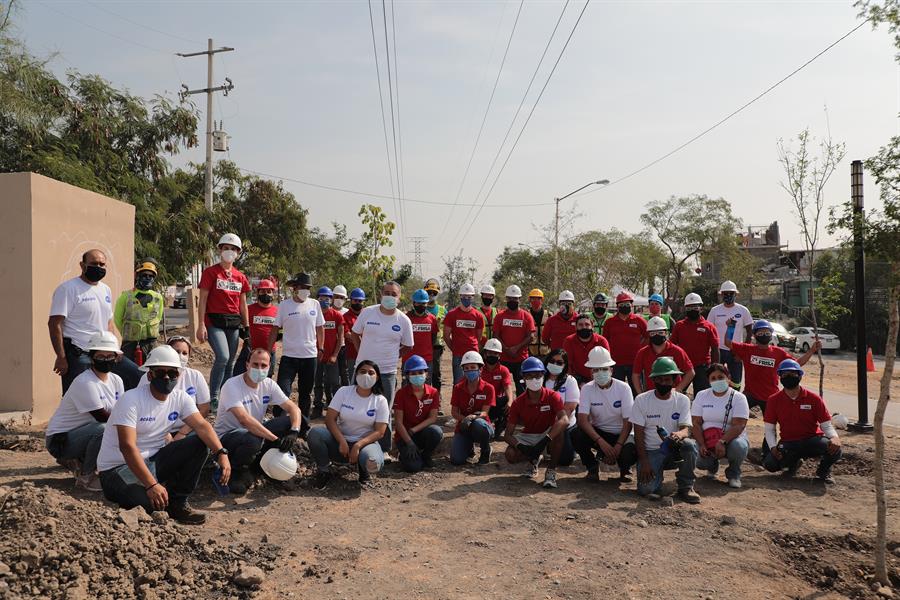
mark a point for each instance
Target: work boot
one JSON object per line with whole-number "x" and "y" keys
{"x": 792, "y": 470}
{"x": 321, "y": 480}
{"x": 593, "y": 475}
{"x": 184, "y": 514}
{"x": 240, "y": 481}
{"x": 689, "y": 495}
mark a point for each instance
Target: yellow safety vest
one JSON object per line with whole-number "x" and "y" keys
{"x": 139, "y": 322}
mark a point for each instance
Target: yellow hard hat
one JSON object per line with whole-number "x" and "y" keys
{"x": 146, "y": 266}
{"x": 432, "y": 284}
{"x": 536, "y": 293}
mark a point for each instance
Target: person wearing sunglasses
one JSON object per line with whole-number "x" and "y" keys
{"x": 137, "y": 467}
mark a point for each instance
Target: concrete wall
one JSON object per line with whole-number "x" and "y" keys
{"x": 47, "y": 225}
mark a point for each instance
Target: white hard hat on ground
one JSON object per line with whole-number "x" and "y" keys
{"x": 104, "y": 341}
{"x": 232, "y": 239}
{"x": 488, "y": 289}
{"x": 656, "y": 324}
{"x": 566, "y": 295}
{"x": 692, "y": 299}
{"x": 467, "y": 290}
{"x": 163, "y": 356}
{"x": 471, "y": 358}
{"x": 513, "y": 291}
{"x": 599, "y": 357}
{"x": 340, "y": 290}
{"x": 278, "y": 465}
{"x": 493, "y": 345}
{"x": 728, "y": 286}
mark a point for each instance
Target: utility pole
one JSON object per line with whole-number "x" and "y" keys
{"x": 417, "y": 254}
{"x": 859, "y": 254}
{"x": 556, "y": 231}
{"x": 208, "y": 90}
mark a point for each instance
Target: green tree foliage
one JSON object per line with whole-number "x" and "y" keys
{"x": 458, "y": 270}
{"x": 374, "y": 240}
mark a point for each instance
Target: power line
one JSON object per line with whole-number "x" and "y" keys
{"x": 139, "y": 24}
{"x": 402, "y": 188}
{"x": 387, "y": 52}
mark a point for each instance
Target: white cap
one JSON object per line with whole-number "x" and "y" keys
{"x": 467, "y": 290}
{"x": 230, "y": 238}
{"x": 692, "y": 298}
{"x": 656, "y": 324}
{"x": 278, "y": 465}
{"x": 599, "y": 357}
{"x": 566, "y": 295}
{"x": 105, "y": 341}
{"x": 162, "y": 356}
{"x": 513, "y": 291}
{"x": 471, "y": 358}
{"x": 728, "y": 286}
{"x": 340, "y": 290}
{"x": 493, "y": 345}
{"x": 488, "y": 289}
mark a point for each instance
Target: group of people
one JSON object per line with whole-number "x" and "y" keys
{"x": 607, "y": 385}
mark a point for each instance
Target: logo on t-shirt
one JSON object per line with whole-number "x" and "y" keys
{"x": 562, "y": 390}
{"x": 632, "y": 325}
{"x": 545, "y": 408}
{"x": 228, "y": 286}
{"x": 420, "y": 327}
{"x": 347, "y": 406}
{"x": 617, "y": 404}
{"x": 806, "y": 407}
{"x": 263, "y": 320}
{"x": 395, "y": 327}
{"x": 173, "y": 415}
{"x": 312, "y": 313}
{"x": 676, "y": 416}
{"x": 762, "y": 361}
{"x": 148, "y": 419}
{"x": 108, "y": 300}
{"x": 330, "y": 325}
{"x": 370, "y": 412}
{"x": 191, "y": 391}
{"x": 266, "y": 399}
{"x": 465, "y": 324}
{"x": 513, "y": 323}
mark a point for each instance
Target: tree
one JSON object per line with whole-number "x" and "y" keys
{"x": 458, "y": 270}
{"x": 805, "y": 180}
{"x": 377, "y": 237}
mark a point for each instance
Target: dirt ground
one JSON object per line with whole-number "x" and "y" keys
{"x": 470, "y": 532}
{"x": 840, "y": 375}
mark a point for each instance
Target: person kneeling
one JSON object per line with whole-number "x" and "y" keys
{"x": 720, "y": 416}
{"x": 137, "y": 467}
{"x": 544, "y": 420}
{"x": 416, "y": 407}
{"x": 471, "y": 403}
{"x": 243, "y": 403}
{"x": 354, "y": 422}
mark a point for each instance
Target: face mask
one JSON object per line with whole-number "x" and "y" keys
{"x": 94, "y": 273}
{"x": 228, "y": 256}
{"x": 663, "y": 389}
{"x": 356, "y": 306}
{"x": 565, "y": 309}
{"x": 554, "y": 369}
{"x": 338, "y": 303}
{"x": 419, "y": 309}
{"x": 163, "y": 385}
{"x": 144, "y": 282}
{"x": 625, "y": 309}
{"x": 324, "y": 303}
{"x": 365, "y": 381}
{"x": 602, "y": 378}
{"x": 264, "y": 298}
{"x": 654, "y": 309}
{"x": 467, "y": 302}
{"x": 536, "y": 305}
{"x": 719, "y": 386}
{"x": 693, "y": 315}
{"x": 184, "y": 358}
{"x": 534, "y": 384}
{"x": 728, "y": 298}
{"x": 492, "y": 360}
{"x": 301, "y": 295}
{"x": 104, "y": 365}
{"x": 585, "y": 334}
{"x": 763, "y": 339}
{"x": 599, "y": 310}
{"x": 486, "y": 301}
{"x": 389, "y": 302}
{"x": 258, "y": 375}
{"x": 417, "y": 380}
{"x": 472, "y": 375}
{"x": 790, "y": 382}
{"x": 512, "y": 304}
{"x": 657, "y": 340}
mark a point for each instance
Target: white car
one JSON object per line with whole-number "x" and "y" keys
{"x": 806, "y": 337}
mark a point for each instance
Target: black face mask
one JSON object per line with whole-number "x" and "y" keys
{"x": 585, "y": 333}
{"x": 94, "y": 273}
{"x": 420, "y": 310}
{"x": 144, "y": 282}
{"x": 264, "y": 298}
{"x": 728, "y": 297}
{"x": 356, "y": 306}
{"x": 163, "y": 385}
{"x": 663, "y": 388}
{"x": 599, "y": 310}
{"x": 790, "y": 382}
{"x": 625, "y": 309}
{"x": 486, "y": 301}
{"x": 763, "y": 339}
{"x": 657, "y": 340}
{"x": 103, "y": 365}
{"x": 512, "y": 304}
{"x": 693, "y": 315}
{"x": 492, "y": 360}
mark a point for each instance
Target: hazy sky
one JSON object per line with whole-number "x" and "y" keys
{"x": 637, "y": 80}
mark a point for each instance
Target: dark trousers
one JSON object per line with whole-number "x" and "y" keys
{"x": 240, "y": 365}
{"x": 342, "y": 366}
{"x": 437, "y": 353}
{"x": 427, "y": 441}
{"x": 792, "y": 452}
{"x": 79, "y": 362}
{"x": 585, "y": 447}
{"x": 328, "y": 380}
{"x": 129, "y": 347}
{"x": 245, "y": 449}
{"x": 515, "y": 369}
{"x": 623, "y": 373}
{"x": 498, "y": 415}
{"x": 304, "y": 369}
{"x": 735, "y": 366}
{"x": 700, "y": 381}
{"x": 177, "y": 466}
{"x": 754, "y": 401}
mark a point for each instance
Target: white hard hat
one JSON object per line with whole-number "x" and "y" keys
{"x": 599, "y": 357}
{"x": 278, "y": 465}
{"x": 656, "y": 324}
{"x": 493, "y": 345}
{"x": 488, "y": 289}
{"x": 692, "y": 298}
{"x": 513, "y": 291}
{"x": 566, "y": 295}
{"x": 471, "y": 358}
{"x": 230, "y": 238}
{"x": 467, "y": 290}
{"x": 163, "y": 356}
{"x": 340, "y": 290}
{"x": 104, "y": 341}
{"x": 728, "y": 286}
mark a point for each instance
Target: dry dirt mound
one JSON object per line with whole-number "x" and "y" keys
{"x": 54, "y": 546}
{"x": 21, "y": 442}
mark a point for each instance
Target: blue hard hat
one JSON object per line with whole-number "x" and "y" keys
{"x": 532, "y": 364}
{"x": 762, "y": 324}
{"x": 789, "y": 364}
{"x": 656, "y": 298}
{"x": 357, "y": 294}
{"x": 420, "y": 296}
{"x": 415, "y": 363}
{"x": 325, "y": 291}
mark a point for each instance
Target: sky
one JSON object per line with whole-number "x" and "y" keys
{"x": 636, "y": 80}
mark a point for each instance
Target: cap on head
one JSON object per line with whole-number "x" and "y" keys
{"x": 471, "y": 358}
{"x": 300, "y": 279}
{"x": 230, "y": 239}
{"x": 535, "y": 293}
{"x": 532, "y": 364}
{"x": 599, "y": 357}
{"x": 420, "y": 296}
{"x": 693, "y": 299}
{"x": 514, "y": 291}
{"x": 146, "y": 265}
{"x": 566, "y": 296}
{"x": 104, "y": 341}
{"x": 493, "y": 345}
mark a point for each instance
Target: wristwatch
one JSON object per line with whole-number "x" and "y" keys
{"x": 222, "y": 450}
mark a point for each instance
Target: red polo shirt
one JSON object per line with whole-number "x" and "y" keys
{"x": 535, "y": 418}
{"x": 332, "y": 318}
{"x": 578, "y": 349}
{"x": 697, "y": 338}
{"x": 646, "y": 356}
{"x": 349, "y": 319}
{"x": 424, "y": 329}
{"x": 465, "y": 328}
{"x": 797, "y": 419}
{"x": 558, "y": 328}
{"x": 475, "y": 402}
{"x": 624, "y": 336}
{"x": 760, "y": 367}
{"x": 414, "y": 410}
{"x": 513, "y": 327}
{"x": 262, "y": 320}
{"x": 499, "y": 377}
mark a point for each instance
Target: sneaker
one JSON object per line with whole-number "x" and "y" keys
{"x": 734, "y": 483}
{"x": 654, "y": 496}
{"x": 89, "y": 482}
{"x": 625, "y": 477}
{"x": 365, "y": 479}
{"x": 71, "y": 464}
{"x": 827, "y": 479}
{"x": 550, "y": 479}
{"x": 792, "y": 471}
{"x": 531, "y": 471}
{"x": 689, "y": 496}
{"x": 184, "y": 514}
{"x": 593, "y": 476}
{"x": 485, "y": 456}
{"x": 321, "y": 480}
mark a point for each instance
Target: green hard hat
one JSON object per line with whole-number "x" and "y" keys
{"x": 664, "y": 366}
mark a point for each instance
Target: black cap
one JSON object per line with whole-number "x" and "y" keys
{"x": 601, "y": 299}
{"x": 300, "y": 279}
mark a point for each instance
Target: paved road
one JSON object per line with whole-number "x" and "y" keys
{"x": 176, "y": 317}
{"x": 846, "y": 404}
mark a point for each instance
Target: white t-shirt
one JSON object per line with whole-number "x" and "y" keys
{"x": 299, "y": 321}
{"x": 712, "y": 409}
{"x": 650, "y": 412}
{"x": 382, "y": 336}
{"x": 86, "y": 393}
{"x": 192, "y": 383}
{"x": 570, "y": 393}
{"x": 357, "y": 415}
{"x": 719, "y": 316}
{"x": 606, "y": 408}
{"x": 151, "y": 419}
{"x": 87, "y": 309}
{"x": 236, "y": 393}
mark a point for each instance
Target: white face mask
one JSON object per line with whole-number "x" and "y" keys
{"x": 258, "y": 375}
{"x": 365, "y": 381}
{"x": 301, "y": 295}
{"x": 601, "y": 378}
{"x": 720, "y": 386}
{"x": 228, "y": 256}
{"x": 184, "y": 360}
{"x": 554, "y": 369}
{"x": 338, "y": 303}
{"x": 534, "y": 384}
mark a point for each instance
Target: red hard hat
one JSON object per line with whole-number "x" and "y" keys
{"x": 624, "y": 297}
{"x": 266, "y": 284}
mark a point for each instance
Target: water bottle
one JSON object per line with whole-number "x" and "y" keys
{"x": 666, "y": 445}
{"x": 138, "y": 356}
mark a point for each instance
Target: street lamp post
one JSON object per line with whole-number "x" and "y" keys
{"x": 556, "y": 230}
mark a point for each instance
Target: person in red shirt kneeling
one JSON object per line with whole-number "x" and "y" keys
{"x": 416, "y": 408}
{"x": 498, "y": 376}
{"x": 471, "y": 402}
{"x": 804, "y": 424}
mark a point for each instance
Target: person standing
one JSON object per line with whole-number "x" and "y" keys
{"x": 357, "y": 302}
{"x": 327, "y": 377}
{"x": 463, "y": 327}
{"x": 655, "y": 309}
{"x": 488, "y": 311}
{"x": 579, "y": 345}
{"x": 599, "y": 314}
{"x": 562, "y": 324}
{"x": 424, "y": 326}
{"x": 340, "y": 299}
{"x": 515, "y": 329}
{"x": 626, "y": 334}
{"x": 223, "y": 311}
{"x": 433, "y": 288}
{"x": 719, "y": 316}
{"x": 698, "y": 338}
{"x": 138, "y": 313}
{"x": 660, "y": 346}
{"x": 263, "y": 314}
{"x": 303, "y": 340}
{"x": 540, "y": 316}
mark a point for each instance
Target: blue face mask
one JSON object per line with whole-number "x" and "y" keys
{"x": 325, "y": 302}
{"x": 472, "y": 375}
{"x": 467, "y": 302}
{"x": 417, "y": 380}
{"x": 719, "y": 386}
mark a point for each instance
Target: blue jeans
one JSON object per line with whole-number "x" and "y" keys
{"x": 82, "y": 443}
{"x": 328, "y": 380}
{"x": 388, "y": 383}
{"x": 659, "y": 461}
{"x": 79, "y": 361}
{"x": 224, "y": 343}
{"x": 304, "y": 369}
{"x": 735, "y": 366}
{"x": 244, "y": 447}
{"x": 457, "y": 369}
{"x": 792, "y": 452}
{"x": 480, "y": 432}
{"x": 325, "y": 450}
{"x": 735, "y": 452}
{"x": 427, "y": 440}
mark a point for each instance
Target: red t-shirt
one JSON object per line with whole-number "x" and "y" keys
{"x": 414, "y": 410}
{"x": 696, "y": 338}
{"x": 349, "y": 319}
{"x": 624, "y": 336}
{"x": 511, "y": 328}
{"x": 262, "y": 321}
{"x": 225, "y": 290}
{"x": 577, "y": 351}
{"x": 760, "y": 367}
{"x": 465, "y": 327}
{"x": 332, "y": 317}
{"x": 469, "y": 403}
{"x": 535, "y": 418}
{"x": 646, "y": 356}
{"x": 797, "y": 419}
{"x": 424, "y": 329}
{"x": 558, "y": 328}
{"x": 499, "y": 377}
